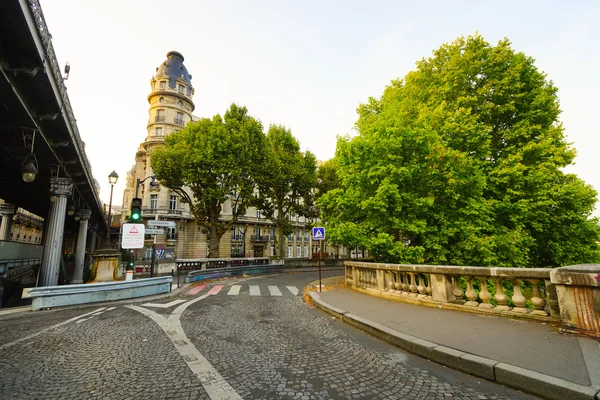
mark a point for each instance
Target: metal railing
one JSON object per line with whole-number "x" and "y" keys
{"x": 259, "y": 238}
{"x": 159, "y": 118}
{"x": 179, "y": 121}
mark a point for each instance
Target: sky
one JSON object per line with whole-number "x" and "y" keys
{"x": 306, "y": 65}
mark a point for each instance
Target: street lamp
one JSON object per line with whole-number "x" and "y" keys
{"x": 112, "y": 179}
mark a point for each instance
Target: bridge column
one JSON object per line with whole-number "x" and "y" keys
{"x": 81, "y": 242}
{"x": 7, "y": 211}
{"x": 61, "y": 188}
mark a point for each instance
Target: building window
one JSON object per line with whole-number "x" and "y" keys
{"x": 305, "y": 250}
{"x": 298, "y": 254}
{"x": 163, "y": 84}
{"x": 179, "y": 118}
{"x": 272, "y": 251}
{"x": 291, "y": 237}
{"x": 258, "y": 214}
{"x": 258, "y": 231}
{"x": 181, "y": 88}
{"x": 290, "y": 251}
{"x": 237, "y": 250}
{"x": 171, "y": 234}
{"x": 298, "y": 236}
{"x": 297, "y": 218}
{"x": 173, "y": 203}
{"x": 180, "y": 103}
{"x": 158, "y": 131}
{"x": 161, "y": 100}
{"x": 154, "y": 201}
{"x": 160, "y": 116}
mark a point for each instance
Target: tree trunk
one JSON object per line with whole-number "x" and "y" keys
{"x": 281, "y": 243}
{"x": 215, "y": 237}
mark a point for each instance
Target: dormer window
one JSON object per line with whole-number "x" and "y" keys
{"x": 180, "y": 103}
{"x": 181, "y": 88}
{"x": 163, "y": 84}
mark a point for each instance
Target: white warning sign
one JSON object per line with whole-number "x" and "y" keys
{"x": 133, "y": 236}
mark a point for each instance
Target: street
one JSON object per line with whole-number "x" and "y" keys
{"x": 248, "y": 338}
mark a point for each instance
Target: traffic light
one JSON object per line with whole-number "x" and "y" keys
{"x": 136, "y": 209}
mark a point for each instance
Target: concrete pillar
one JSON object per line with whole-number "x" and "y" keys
{"x": 61, "y": 188}
{"x": 441, "y": 288}
{"x": 81, "y": 242}
{"x": 7, "y": 211}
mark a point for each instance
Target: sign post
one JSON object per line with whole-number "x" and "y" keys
{"x": 319, "y": 234}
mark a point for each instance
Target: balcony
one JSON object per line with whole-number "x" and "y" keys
{"x": 237, "y": 238}
{"x": 164, "y": 212}
{"x": 179, "y": 121}
{"x": 159, "y": 118}
{"x": 259, "y": 238}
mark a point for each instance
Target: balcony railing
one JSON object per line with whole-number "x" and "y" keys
{"x": 259, "y": 238}
{"x": 161, "y": 211}
{"x": 159, "y": 118}
{"x": 179, "y": 121}
{"x": 237, "y": 238}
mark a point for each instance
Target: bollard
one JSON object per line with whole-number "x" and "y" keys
{"x": 129, "y": 275}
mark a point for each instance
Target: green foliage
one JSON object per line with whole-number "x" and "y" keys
{"x": 211, "y": 161}
{"x": 286, "y": 181}
{"x": 461, "y": 163}
{"x": 326, "y": 178}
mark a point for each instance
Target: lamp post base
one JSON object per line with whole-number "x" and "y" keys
{"x": 106, "y": 266}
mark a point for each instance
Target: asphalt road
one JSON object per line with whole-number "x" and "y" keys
{"x": 250, "y": 338}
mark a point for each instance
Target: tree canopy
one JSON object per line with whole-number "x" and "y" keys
{"x": 286, "y": 182}
{"x": 211, "y": 161}
{"x": 461, "y": 163}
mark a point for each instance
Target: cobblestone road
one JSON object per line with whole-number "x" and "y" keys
{"x": 262, "y": 347}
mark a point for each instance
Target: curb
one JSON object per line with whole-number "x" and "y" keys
{"x": 545, "y": 386}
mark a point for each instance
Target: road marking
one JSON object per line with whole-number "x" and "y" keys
{"x": 254, "y": 290}
{"x": 47, "y": 329}
{"x": 235, "y": 290}
{"x": 197, "y": 289}
{"x": 110, "y": 309}
{"x": 164, "y": 305}
{"x": 274, "y": 290}
{"x": 293, "y": 289}
{"x": 215, "y": 385}
{"x": 82, "y": 320}
{"x": 216, "y": 289}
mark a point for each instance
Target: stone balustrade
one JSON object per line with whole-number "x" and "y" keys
{"x": 534, "y": 293}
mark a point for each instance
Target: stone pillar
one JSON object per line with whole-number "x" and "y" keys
{"x": 7, "y": 211}
{"x": 55, "y": 223}
{"x": 81, "y": 242}
{"x": 578, "y": 290}
{"x": 441, "y": 288}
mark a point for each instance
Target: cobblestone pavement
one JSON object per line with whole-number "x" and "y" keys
{"x": 264, "y": 347}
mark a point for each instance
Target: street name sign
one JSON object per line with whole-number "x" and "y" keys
{"x": 318, "y": 233}
{"x": 133, "y": 236}
{"x": 154, "y": 231}
{"x": 155, "y": 222}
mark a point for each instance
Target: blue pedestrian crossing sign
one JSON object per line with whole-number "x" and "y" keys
{"x": 318, "y": 233}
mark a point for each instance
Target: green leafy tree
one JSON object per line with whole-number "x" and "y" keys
{"x": 209, "y": 162}
{"x": 462, "y": 163}
{"x": 286, "y": 182}
{"x": 326, "y": 178}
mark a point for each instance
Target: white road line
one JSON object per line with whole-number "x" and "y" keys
{"x": 254, "y": 290}
{"x": 234, "y": 291}
{"x": 215, "y": 385}
{"x": 82, "y": 320}
{"x": 110, "y": 309}
{"x": 47, "y": 329}
{"x": 293, "y": 289}
{"x": 164, "y": 305}
{"x": 274, "y": 290}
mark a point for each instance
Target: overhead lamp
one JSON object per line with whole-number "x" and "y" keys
{"x": 53, "y": 198}
{"x": 77, "y": 217}
{"x": 71, "y": 209}
{"x": 29, "y": 168}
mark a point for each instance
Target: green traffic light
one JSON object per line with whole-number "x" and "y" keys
{"x": 135, "y": 216}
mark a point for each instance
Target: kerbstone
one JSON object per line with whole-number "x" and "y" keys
{"x": 478, "y": 366}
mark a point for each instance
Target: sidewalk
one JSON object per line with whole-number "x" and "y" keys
{"x": 529, "y": 356}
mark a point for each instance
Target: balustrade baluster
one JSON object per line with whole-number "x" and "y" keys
{"x": 536, "y": 299}
{"x": 373, "y": 278}
{"x": 421, "y": 287}
{"x": 484, "y": 294}
{"x": 457, "y": 290}
{"x": 500, "y": 297}
{"x": 405, "y": 285}
{"x": 397, "y": 283}
{"x": 518, "y": 298}
{"x": 412, "y": 286}
{"x": 429, "y": 289}
{"x": 390, "y": 283}
{"x": 471, "y": 294}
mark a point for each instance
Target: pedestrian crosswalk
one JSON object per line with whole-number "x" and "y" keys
{"x": 244, "y": 290}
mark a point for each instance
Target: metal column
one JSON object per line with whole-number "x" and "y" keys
{"x": 81, "y": 242}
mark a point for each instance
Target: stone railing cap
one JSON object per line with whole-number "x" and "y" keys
{"x": 579, "y": 275}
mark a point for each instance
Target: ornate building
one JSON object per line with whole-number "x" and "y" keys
{"x": 171, "y": 107}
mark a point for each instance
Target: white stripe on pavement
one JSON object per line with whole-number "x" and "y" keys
{"x": 234, "y": 291}
{"x": 293, "y": 289}
{"x": 254, "y": 290}
{"x": 274, "y": 290}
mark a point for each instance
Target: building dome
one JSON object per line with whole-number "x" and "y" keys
{"x": 173, "y": 68}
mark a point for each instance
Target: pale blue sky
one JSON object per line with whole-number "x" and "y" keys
{"x": 304, "y": 64}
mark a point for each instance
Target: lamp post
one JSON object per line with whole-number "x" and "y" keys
{"x": 112, "y": 179}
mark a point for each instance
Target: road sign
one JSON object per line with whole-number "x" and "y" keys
{"x": 154, "y": 222}
{"x": 154, "y": 231}
{"x": 133, "y": 236}
{"x": 318, "y": 233}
